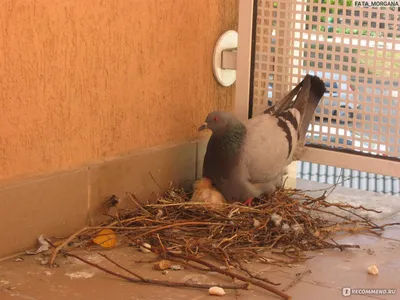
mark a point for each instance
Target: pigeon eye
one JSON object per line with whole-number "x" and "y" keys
{"x": 215, "y": 119}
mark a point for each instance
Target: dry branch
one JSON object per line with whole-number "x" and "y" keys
{"x": 297, "y": 279}
{"x": 140, "y": 279}
{"x": 188, "y": 232}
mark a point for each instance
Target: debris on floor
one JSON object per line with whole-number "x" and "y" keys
{"x": 373, "y": 270}
{"x": 145, "y": 248}
{"x": 216, "y": 291}
{"x": 80, "y": 274}
{"x": 18, "y": 259}
{"x": 163, "y": 265}
{"x": 278, "y": 230}
{"x": 43, "y": 246}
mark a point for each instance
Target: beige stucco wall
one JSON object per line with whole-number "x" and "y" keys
{"x": 86, "y": 80}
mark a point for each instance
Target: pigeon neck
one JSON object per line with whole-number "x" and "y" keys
{"x": 233, "y": 139}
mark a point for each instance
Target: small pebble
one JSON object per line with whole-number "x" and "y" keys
{"x": 195, "y": 278}
{"x": 42, "y": 261}
{"x": 165, "y": 272}
{"x": 216, "y": 291}
{"x": 145, "y": 248}
{"x": 297, "y": 228}
{"x": 176, "y": 267}
{"x": 79, "y": 275}
{"x": 227, "y": 268}
{"x": 163, "y": 265}
{"x": 276, "y": 219}
{"x": 160, "y": 213}
{"x": 285, "y": 227}
{"x": 256, "y": 223}
{"x": 18, "y": 259}
{"x": 373, "y": 270}
{"x": 370, "y": 251}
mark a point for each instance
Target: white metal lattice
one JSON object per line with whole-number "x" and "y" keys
{"x": 355, "y": 50}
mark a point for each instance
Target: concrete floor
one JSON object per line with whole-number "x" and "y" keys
{"x": 331, "y": 269}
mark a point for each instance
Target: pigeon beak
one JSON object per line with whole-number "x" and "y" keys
{"x": 204, "y": 126}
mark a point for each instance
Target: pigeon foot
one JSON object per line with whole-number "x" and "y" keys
{"x": 248, "y": 202}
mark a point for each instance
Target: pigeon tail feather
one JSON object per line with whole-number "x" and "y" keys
{"x": 303, "y": 100}
{"x": 315, "y": 93}
{"x": 285, "y": 103}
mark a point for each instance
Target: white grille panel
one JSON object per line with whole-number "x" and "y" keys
{"x": 355, "y": 50}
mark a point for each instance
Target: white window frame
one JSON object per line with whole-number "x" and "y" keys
{"x": 372, "y": 164}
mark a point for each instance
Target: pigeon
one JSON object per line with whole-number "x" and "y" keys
{"x": 244, "y": 160}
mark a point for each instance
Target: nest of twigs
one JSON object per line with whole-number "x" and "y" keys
{"x": 287, "y": 224}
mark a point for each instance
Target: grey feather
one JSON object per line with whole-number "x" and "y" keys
{"x": 246, "y": 159}
{"x": 307, "y": 95}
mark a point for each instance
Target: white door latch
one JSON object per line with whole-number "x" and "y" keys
{"x": 224, "y": 59}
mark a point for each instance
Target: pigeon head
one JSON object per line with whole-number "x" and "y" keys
{"x": 219, "y": 122}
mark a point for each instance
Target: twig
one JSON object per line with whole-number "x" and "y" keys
{"x": 297, "y": 279}
{"x": 186, "y": 263}
{"x": 153, "y": 281}
{"x": 149, "y": 281}
{"x": 357, "y": 215}
{"x": 214, "y": 268}
{"x": 141, "y": 261}
{"x": 161, "y": 243}
{"x": 176, "y": 225}
{"x": 137, "y": 202}
{"x": 339, "y": 205}
{"x": 247, "y": 271}
{"x": 234, "y": 275}
{"x": 62, "y": 245}
{"x": 326, "y": 212}
{"x": 390, "y": 224}
{"x": 155, "y": 181}
{"x": 331, "y": 187}
{"x": 337, "y": 182}
{"x": 188, "y": 230}
{"x": 341, "y": 247}
{"x": 321, "y": 198}
{"x": 121, "y": 267}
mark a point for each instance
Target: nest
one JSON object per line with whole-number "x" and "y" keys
{"x": 278, "y": 230}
